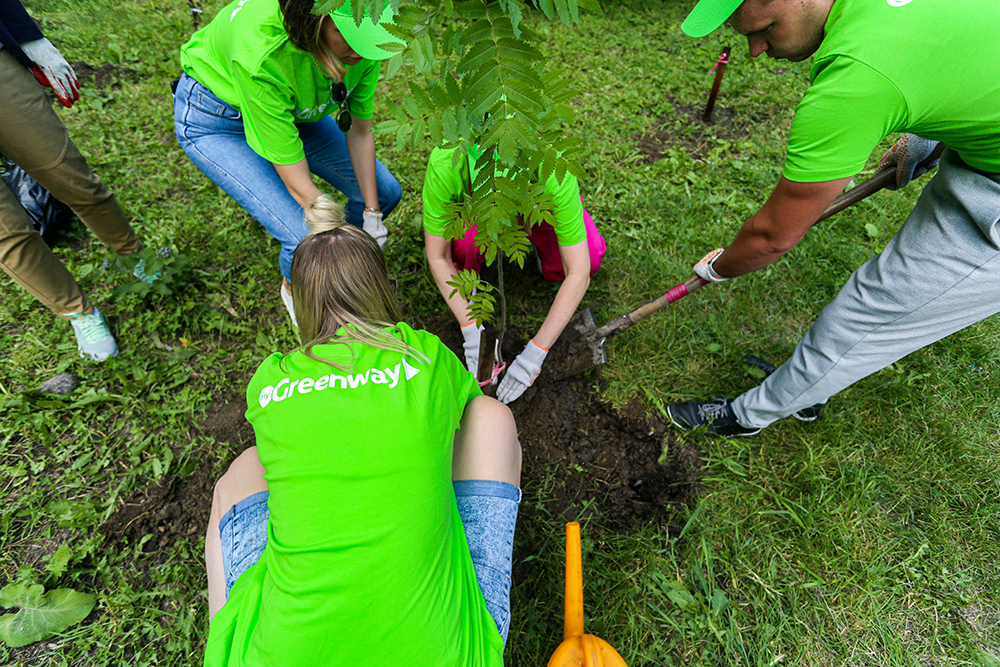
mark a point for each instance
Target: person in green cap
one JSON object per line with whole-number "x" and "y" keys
{"x": 373, "y": 522}
{"x": 873, "y": 74}
{"x": 271, "y": 94}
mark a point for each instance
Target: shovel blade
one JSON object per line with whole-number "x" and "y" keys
{"x": 579, "y": 347}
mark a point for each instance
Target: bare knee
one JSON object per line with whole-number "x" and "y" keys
{"x": 244, "y": 478}
{"x": 486, "y": 446}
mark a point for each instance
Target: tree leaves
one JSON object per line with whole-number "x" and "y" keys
{"x": 41, "y": 614}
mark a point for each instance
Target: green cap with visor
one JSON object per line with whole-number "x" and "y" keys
{"x": 364, "y": 39}
{"x": 708, "y": 15}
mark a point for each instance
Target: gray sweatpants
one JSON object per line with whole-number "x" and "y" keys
{"x": 939, "y": 274}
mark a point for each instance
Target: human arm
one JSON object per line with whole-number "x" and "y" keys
{"x": 361, "y": 148}
{"x": 298, "y": 179}
{"x": 528, "y": 364}
{"x": 775, "y": 229}
{"x": 442, "y": 266}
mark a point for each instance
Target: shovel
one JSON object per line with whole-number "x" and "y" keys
{"x": 578, "y": 649}
{"x": 585, "y": 340}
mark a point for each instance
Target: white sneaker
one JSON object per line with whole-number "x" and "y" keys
{"x": 286, "y": 298}
{"x": 93, "y": 337}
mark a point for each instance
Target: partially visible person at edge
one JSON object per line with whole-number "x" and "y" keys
{"x": 873, "y": 74}
{"x": 373, "y": 523}
{"x": 569, "y": 250}
{"x": 253, "y": 110}
{"x": 33, "y": 137}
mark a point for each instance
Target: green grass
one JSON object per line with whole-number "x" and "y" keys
{"x": 868, "y": 538}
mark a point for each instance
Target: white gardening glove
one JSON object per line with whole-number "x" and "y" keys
{"x": 522, "y": 372}
{"x": 373, "y": 225}
{"x": 473, "y": 335}
{"x": 907, "y": 154}
{"x": 704, "y": 267}
{"x": 51, "y": 69}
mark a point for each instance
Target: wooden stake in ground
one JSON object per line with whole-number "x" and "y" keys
{"x": 720, "y": 68}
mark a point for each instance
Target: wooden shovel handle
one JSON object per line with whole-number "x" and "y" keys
{"x": 881, "y": 179}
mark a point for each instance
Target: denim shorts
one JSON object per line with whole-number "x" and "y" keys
{"x": 488, "y": 510}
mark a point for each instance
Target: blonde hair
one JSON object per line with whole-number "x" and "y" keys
{"x": 305, "y": 31}
{"x": 340, "y": 287}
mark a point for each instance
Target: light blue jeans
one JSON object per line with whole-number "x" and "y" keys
{"x": 488, "y": 510}
{"x": 211, "y": 133}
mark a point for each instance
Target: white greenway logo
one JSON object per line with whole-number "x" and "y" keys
{"x": 898, "y": 3}
{"x": 237, "y": 10}
{"x": 287, "y": 388}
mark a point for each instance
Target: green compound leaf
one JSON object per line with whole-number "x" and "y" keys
{"x": 41, "y": 614}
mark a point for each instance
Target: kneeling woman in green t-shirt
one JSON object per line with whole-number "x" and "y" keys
{"x": 255, "y": 111}
{"x": 373, "y": 522}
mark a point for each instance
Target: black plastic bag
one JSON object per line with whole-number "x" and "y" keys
{"x": 45, "y": 212}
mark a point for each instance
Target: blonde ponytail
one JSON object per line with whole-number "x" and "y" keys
{"x": 323, "y": 214}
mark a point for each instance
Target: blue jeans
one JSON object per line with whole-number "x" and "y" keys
{"x": 488, "y": 510}
{"x": 211, "y": 133}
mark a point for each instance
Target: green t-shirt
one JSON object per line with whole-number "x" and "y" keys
{"x": 445, "y": 184}
{"x": 245, "y": 58}
{"x": 366, "y": 560}
{"x": 923, "y": 66}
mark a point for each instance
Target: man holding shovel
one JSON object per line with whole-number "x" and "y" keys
{"x": 941, "y": 271}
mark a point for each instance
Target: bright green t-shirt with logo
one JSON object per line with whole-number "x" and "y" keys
{"x": 366, "y": 560}
{"x": 446, "y": 184}
{"x": 929, "y": 67}
{"x": 245, "y": 58}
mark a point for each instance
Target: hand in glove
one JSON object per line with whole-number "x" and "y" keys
{"x": 51, "y": 69}
{"x": 704, "y": 268}
{"x": 522, "y": 372}
{"x": 373, "y": 225}
{"x": 907, "y": 154}
{"x": 473, "y": 335}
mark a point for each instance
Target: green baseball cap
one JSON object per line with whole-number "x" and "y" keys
{"x": 365, "y": 38}
{"x": 708, "y": 15}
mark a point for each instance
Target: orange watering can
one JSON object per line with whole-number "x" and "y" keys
{"x": 578, "y": 649}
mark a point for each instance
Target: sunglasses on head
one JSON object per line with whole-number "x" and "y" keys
{"x": 340, "y": 97}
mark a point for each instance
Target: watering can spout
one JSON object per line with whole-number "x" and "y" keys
{"x": 573, "y": 617}
{"x": 579, "y": 649}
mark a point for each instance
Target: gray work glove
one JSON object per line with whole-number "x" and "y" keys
{"x": 522, "y": 372}
{"x": 907, "y": 154}
{"x": 51, "y": 69}
{"x": 372, "y": 223}
{"x": 473, "y": 335}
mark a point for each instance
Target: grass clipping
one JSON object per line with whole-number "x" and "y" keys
{"x": 41, "y": 614}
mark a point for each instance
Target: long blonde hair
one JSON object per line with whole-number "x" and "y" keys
{"x": 305, "y": 31}
{"x": 340, "y": 287}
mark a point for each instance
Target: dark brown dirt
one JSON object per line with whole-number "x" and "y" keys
{"x": 685, "y": 127}
{"x": 586, "y": 460}
{"x": 103, "y": 76}
{"x": 180, "y": 506}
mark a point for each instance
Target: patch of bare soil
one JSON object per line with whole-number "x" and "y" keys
{"x": 583, "y": 459}
{"x": 685, "y": 127}
{"x": 103, "y": 76}
{"x": 179, "y": 507}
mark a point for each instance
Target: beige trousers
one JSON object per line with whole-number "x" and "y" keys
{"x": 33, "y": 137}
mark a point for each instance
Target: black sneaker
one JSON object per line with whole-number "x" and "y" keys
{"x": 716, "y": 414}
{"x": 807, "y": 415}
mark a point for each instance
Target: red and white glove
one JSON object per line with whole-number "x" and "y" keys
{"x": 522, "y": 372}
{"x": 51, "y": 69}
{"x": 907, "y": 154}
{"x": 704, "y": 268}
{"x": 473, "y": 335}
{"x": 372, "y": 223}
